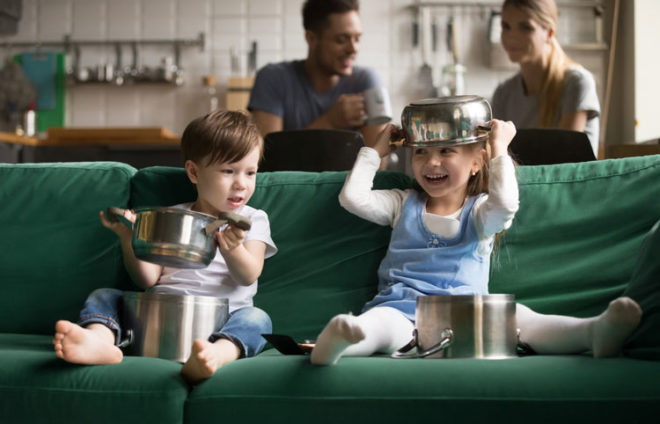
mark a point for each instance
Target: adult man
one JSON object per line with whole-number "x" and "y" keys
{"x": 324, "y": 91}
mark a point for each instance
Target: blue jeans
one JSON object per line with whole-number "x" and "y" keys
{"x": 244, "y": 326}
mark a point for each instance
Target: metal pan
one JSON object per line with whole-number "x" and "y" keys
{"x": 166, "y": 325}
{"x": 464, "y": 326}
{"x": 446, "y": 121}
{"x": 178, "y": 238}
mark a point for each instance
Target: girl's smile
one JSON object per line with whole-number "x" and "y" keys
{"x": 444, "y": 172}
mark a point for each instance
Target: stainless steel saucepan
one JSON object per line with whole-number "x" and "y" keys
{"x": 464, "y": 326}
{"x": 166, "y": 325}
{"x": 178, "y": 238}
{"x": 446, "y": 121}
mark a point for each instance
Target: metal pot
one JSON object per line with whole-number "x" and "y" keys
{"x": 165, "y": 325}
{"x": 451, "y": 121}
{"x": 178, "y": 238}
{"x": 464, "y": 326}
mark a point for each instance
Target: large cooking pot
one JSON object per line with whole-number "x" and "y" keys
{"x": 166, "y": 325}
{"x": 446, "y": 121}
{"x": 464, "y": 326}
{"x": 177, "y": 238}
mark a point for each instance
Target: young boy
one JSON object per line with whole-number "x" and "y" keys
{"x": 222, "y": 151}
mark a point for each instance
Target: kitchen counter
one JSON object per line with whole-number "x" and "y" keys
{"x": 138, "y": 147}
{"x": 98, "y": 136}
{"x": 18, "y": 139}
{"x": 111, "y": 136}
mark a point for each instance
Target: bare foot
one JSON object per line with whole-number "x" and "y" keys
{"x": 207, "y": 357}
{"x": 613, "y": 327}
{"x": 93, "y": 345}
{"x": 341, "y": 332}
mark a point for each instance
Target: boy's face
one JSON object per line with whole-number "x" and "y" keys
{"x": 224, "y": 187}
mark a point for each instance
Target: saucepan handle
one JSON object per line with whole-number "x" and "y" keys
{"x": 113, "y": 214}
{"x": 447, "y": 339}
{"x": 239, "y": 221}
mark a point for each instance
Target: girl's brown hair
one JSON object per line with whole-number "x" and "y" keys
{"x": 545, "y": 13}
{"x": 219, "y": 137}
{"x": 478, "y": 183}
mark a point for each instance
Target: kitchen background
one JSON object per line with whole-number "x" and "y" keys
{"x": 219, "y": 37}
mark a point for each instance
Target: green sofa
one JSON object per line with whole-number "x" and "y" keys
{"x": 576, "y": 243}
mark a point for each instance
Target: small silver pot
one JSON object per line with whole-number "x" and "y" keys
{"x": 165, "y": 325}
{"x": 178, "y": 238}
{"x": 464, "y": 326}
{"x": 452, "y": 120}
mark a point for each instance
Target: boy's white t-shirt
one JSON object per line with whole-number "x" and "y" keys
{"x": 215, "y": 280}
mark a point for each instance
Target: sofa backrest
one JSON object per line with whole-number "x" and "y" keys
{"x": 327, "y": 258}
{"x": 571, "y": 249}
{"x": 574, "y": 241}
{"x": 53, "y": 249}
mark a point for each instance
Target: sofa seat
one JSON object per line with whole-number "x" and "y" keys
{"x": 380, "y": 389}
{"x": 33, "y": 381}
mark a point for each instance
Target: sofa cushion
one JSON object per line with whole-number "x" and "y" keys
{"x": 575, "y": 239}
{"x": 54, "y": 249}
{"x": 327, "y": 257}
{"x": 37, "y": 387}
{"x": 644, "y": 287}
{"x": 535, "y": 389}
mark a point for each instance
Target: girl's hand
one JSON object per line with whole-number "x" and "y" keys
{"x": 116, "y": 226}
{"x": 230, "y": 238}
{"x": 501, "y": 134}
{"x": 384, "y": 140}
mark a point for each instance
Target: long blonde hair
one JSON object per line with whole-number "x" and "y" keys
{"x": 545, "y": 13}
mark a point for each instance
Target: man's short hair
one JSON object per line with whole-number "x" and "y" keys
{"x": 220, "y": 136}
{"x": 315, "y": 12}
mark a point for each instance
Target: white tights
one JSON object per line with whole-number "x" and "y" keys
{"x": 384, "y": 330}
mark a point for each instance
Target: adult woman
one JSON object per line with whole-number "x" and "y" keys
{"x": 551, "y": 90}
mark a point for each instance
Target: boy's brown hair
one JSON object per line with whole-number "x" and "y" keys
{"x": 219, "y": 137}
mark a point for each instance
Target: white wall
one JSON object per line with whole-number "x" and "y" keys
{"x": 647, "y": 63}
{"x": 276, "y": 25}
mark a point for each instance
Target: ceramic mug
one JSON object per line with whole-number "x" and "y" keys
{"x": 377, "y": 105}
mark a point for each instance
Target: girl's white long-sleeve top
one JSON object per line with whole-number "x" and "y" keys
{"x": 493, "y": 212}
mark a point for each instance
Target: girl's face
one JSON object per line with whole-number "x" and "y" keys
{"x": 523, "y": 38}
{"x": 224, "y": 187}
{"x": 443, "y": 172}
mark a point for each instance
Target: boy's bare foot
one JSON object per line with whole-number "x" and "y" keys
{"x": 341, "y": 332}
{"x": 613, "y": 327}
{"x": 207, "y": 357}
{"x": 93, "y": 345}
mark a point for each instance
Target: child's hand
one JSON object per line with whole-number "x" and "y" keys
{"x": 113, "y": 224}
{"x": 230, "y": 238}
{"x": 383, "y": 142}
{"x": 501, "y": 134}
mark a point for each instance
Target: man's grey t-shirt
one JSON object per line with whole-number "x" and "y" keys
{"x": 283, "y": 89}
{"x": 511, "y": 103}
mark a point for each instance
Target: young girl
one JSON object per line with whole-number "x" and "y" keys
{"x": 550, "y": 91}
{"x": 441, "y": 243}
